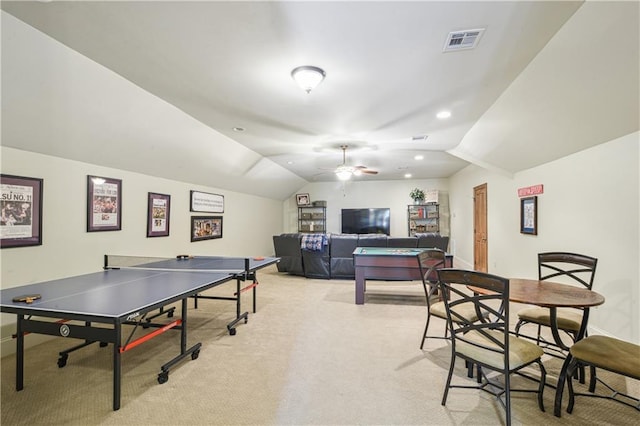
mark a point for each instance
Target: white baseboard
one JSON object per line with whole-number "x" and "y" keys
{"x": 462, "y": 264}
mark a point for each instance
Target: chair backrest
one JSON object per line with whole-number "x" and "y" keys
{"x": 578, "y": 267}
{"x": 429, "y": 260}
{"x": 433, "y": 239}
{"x": 488, "y": 294}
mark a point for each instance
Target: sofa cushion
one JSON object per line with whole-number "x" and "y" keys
{"x": 372, "y": 240}
{"x": 341, "y": 252}
{"x": 408, "y": 242}
{"x": 287, "y": 248}
{"x": 317, "y": 262}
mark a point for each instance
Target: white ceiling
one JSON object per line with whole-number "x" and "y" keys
{"x": 546, "y": 79}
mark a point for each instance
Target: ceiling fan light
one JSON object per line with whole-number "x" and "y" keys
{"x": 343, "y": 173}
{"x": 308, "y": 77}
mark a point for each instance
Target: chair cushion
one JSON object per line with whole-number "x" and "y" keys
{"x": 609, "y": 353}
{"x": 467, "y": 310}
{"x": 568, "y": 319}
{"x": 521, "y": 352}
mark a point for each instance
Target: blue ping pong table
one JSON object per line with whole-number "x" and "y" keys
{"x": 128, "y": 292}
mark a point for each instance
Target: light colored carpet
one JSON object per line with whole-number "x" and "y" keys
{"x": 309, "y": 356}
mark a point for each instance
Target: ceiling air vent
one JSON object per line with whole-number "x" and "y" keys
{"x": 460, "y": 40}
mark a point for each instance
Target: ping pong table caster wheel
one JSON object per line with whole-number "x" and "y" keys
{"x": 163, "y": 377}
{"x": 195, "y": 354}
{"x": 232, "y": 331}
{"x": 62, "y": 361}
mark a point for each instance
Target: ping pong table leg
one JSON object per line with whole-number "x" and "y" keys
{"x": 238, "y": 300}
{"x": 19, "y": 354}
{"x": 254, "y": 294}
{"x": 183, "y": 330}
{"x": 117, "y": 366}
{"x": 194, "y": 351}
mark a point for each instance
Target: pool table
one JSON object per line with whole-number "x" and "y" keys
{"x": 387, "y": 263}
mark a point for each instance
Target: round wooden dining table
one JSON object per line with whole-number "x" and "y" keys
{"x": 552, "y": 295}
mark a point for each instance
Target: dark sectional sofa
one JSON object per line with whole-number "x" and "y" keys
{"x": 335, "y": 259}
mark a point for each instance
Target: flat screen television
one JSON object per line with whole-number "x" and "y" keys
{"x": 366, "y": 221}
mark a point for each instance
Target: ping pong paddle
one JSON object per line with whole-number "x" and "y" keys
{"x": 258, "y": 258}
{"x": 184, "y": 256}
{"x": 27, "y": 298}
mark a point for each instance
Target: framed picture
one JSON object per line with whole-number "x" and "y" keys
{"x": 303, "y": 199}
{"x": 206, "y": 227}
{"x": 104, "y": 204}
{"x": 158, "y": 209}
{"x": 21, "y": 203}
{"x": 529, "y": 215}
{"x": 206, "y": 203}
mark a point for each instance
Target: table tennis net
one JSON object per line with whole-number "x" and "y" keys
{"x": 118, "y": 261}
{"x": 190, "y": 263}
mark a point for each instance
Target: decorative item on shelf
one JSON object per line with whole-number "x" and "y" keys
{"x": 417, "y": 195}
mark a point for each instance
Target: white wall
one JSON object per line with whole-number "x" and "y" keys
{"x": 249, "y": 222}
{"x": 362, "y": 194}
{"x": 589, "y": 205}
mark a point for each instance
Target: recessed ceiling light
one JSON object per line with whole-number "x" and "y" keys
{"x": 238, "y": 129}
{"x": 289, "y": 162}
{"x": 419, "y": 157}
{"x": 443, "y": 114}
{"x": 407, "y": 175}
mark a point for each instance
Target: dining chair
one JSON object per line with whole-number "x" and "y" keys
{"x": 487, "y": 343}
{"x": 429, "y": 261}
{"x": 577, "y": 268}
{"x": 603, "y": 353}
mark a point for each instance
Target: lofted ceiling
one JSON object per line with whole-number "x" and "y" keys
{"x": 536, "y": 83}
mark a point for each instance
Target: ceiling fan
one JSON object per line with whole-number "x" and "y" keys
{"x": 344, "y": 172}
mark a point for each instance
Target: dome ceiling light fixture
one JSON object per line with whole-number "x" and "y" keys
{"x": 308, "y": 77}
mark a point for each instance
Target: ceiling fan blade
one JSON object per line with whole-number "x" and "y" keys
{"x": 369, "y": 172}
